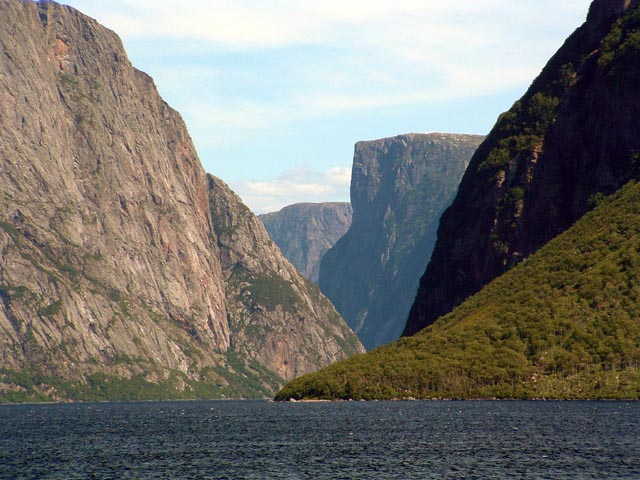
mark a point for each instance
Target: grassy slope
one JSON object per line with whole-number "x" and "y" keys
{"x": 565, "y": 323}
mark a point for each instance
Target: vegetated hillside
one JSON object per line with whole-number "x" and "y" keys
{"x": 399, "y": 188}
{"x": 573, "y": 136}
{"x": 125, "y": 273}
{"x": 305, "y": 231}
{"x": 564, "y": 323}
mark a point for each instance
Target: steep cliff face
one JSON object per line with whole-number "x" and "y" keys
{"x": 110, "y": 264}
{"x": 275, "y": 315}
{"x": 305, "y": 231}
{"x": 573, "y": 137}
{"x": 399, "y": 188}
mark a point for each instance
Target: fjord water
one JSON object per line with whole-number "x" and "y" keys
{"x": 354, "y": 440}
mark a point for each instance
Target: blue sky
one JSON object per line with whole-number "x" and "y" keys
{"x": 275, "y": 93}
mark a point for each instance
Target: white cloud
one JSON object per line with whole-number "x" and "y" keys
{"x": 263, "y": 72}
{"x": 447, "y": 33}
{"x": 384, "y": 52}
{"x": 381, "y": 52}
{"x": 339, "y": 176}
{"x": 275, "y": 23}
{"x": 300, "y": 184}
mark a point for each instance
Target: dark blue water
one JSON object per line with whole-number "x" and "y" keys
{"x": 361, "y": 440}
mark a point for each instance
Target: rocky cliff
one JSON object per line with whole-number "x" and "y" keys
{"x": 305, "y": 231}
{"x": 120, "y": 260}
{"x": 573, "y": 137}
{"x": 275, "y": 314}
{"x": 399, "y": 188}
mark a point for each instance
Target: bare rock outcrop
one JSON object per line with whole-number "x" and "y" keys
{"x": 111, "y": 269}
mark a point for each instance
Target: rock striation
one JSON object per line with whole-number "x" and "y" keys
{"x": 126, "y": 272}
{"x": 570, "y": 139}
{"x": 305, "y": 231}
{"x": 399, "y": 188}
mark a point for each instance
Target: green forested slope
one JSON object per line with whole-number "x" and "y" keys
{"x": 575, "y": 133}
{"x": 565, "y": 323}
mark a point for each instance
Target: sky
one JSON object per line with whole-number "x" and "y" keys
{"x": 275, "y": 93}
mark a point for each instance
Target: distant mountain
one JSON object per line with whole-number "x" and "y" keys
{"x": 572, "y": 137}
{"x": 399, "y": 188}
{"x": 305, "y": 231}
{"x": 562, "y": 322}
{"x": 125, "y": 271}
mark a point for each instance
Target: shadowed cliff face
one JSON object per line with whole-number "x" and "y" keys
{"x": 573, "y": 137}
{"x": 305, "y": 231}
{"x": 604, "y": 10}
{"x": 399, "y": 188}
{"x": 111, "y": 261}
